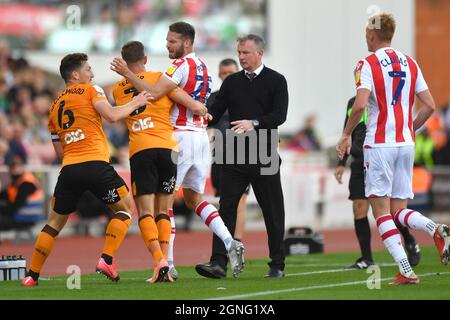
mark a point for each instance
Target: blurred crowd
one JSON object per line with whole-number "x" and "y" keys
{"x": 26, "y": 93}
{"x": 105, "y": 25}
{"x": 25, "y": 96}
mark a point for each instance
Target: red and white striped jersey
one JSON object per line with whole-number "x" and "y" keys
{"x": 393, "y": 79}
{"x": 191, "y": 74}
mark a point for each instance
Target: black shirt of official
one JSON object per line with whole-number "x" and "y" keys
{"x": 265, "y": 98}
{"x": 223, "y": 123}
{"x": 358, "y": 136}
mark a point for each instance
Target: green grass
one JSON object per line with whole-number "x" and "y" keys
{"x": 327, "y": 285}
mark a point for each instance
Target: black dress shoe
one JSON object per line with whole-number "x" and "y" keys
{"x": 211, "y": 270}
{"x": 274, "y": 273}
{"x": 413, "y": 252}
{"x": 360, "y": 264}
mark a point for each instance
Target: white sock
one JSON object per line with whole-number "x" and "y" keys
{"x": 172, "y": 239}
{"x": 414, "y": 220}
{"x": 212, "y": 219}
{"x": 393, "y": 243}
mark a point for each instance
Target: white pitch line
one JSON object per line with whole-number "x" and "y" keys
{"x": 298, "y": 265}
{"x": 287, "y": 275}
{"x": 314, "y": 265}
{"x": 318, "y": 272}
{"x": 343, "y": 284}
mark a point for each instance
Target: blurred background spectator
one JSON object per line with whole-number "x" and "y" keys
{"x": 306, "y": 139}
{"x": 105, "y": 25}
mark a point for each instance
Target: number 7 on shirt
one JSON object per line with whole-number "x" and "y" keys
{"x": 398, "y": 90}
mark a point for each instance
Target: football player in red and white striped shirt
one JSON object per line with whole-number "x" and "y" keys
{"x": 388, "y": 81}
{"x": 191, "y": 74}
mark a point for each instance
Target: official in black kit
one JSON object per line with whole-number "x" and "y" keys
{"x": 257, "y": 101}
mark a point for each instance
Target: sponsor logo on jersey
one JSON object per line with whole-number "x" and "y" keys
{"x": 74, "y": 136}
{"x": 142, "y": 124}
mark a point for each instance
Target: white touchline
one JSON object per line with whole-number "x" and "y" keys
{"x": 343, "y": 284}
{"x": 324, "y": 265}
{"x": 333, "y": 270}
{"x": 318, "y": 272}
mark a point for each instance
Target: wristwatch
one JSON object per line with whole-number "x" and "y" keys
{"x": 255, "y": 123}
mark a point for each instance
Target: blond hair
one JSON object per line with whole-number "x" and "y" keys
{"x": 384, "y": 26}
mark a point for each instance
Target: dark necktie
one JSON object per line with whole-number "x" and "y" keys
{"x": 251, "y": 76}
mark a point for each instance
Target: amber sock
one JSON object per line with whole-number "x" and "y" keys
{"x": 149, "y": 233}
{"x": 115, "y": 233}
{"x": 42, "y": 249}
{"x": 164, "y": 230}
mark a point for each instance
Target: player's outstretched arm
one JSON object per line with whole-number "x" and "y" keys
{"x": 113, "y": 114}
{"x": 427, "y": 109}
{"x": 157, "y": 90}
{"x": 163, "y": 87}
{"x": 181, "y": 97}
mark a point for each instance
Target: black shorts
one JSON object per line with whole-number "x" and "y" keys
{"x": 216, "y": 176}
{"x": 153, "y": 171}
{"x": 99, "y": 177}
{"x": 356, "y": 184}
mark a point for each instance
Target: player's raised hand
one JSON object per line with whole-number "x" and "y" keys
{"x": 208, "y": 117}
{"x": 143, "y": 98}
{"x": 120, "y": 66}
{"x": 200, "y": 109}
{"x": 344, "y": 145}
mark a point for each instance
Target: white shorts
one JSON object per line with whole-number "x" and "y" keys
{"x": 193, "y": 160}
{"x": 388, "y": 172}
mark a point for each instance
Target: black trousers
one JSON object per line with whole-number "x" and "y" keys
{"x": 269, "y": 194}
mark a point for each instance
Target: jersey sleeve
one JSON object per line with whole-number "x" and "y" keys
{"x": 363, "y": 76}
{"x": 421, "y": 84}
{"x": 177, "y": 71}
{"x": 172, "y": 92}
{"x": 53, "y": 133}
{"x": 96, "y": 93}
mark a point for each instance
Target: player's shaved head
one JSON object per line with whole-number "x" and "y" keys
{"x": 383, "y": 25}
{"x": 71, "y": 63}
{"x": 133, "y": 51}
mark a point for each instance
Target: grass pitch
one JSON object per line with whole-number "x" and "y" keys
{"x": 308, "y": 277}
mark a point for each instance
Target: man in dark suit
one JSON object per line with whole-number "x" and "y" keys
{"x": 226, "y": 67}
{"x": 257, "y": 101}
